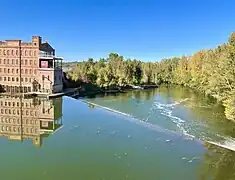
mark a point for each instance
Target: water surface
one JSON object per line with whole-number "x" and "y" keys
{"x": 175, "y": 108}
{"x": 66, "y": 138}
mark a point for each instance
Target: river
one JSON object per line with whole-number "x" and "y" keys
{"x": 166, "y": 133}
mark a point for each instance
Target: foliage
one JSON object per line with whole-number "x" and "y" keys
{"x": 210, "y": 71}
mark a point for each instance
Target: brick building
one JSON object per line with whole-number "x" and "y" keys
{"x": 33, "y": 119}
{"x": 30, "y": 67}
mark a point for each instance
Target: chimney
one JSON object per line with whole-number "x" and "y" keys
{"x": 36, "y": 40}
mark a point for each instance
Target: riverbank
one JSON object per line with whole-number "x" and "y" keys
{"x": 89, "y": 90}
{"x": 210, "y": 71}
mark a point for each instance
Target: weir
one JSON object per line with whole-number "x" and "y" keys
{"x": 227, "y": 144}
{"x": 142, "y": 123}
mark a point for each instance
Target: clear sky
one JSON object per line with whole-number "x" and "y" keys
{"x": 148, "y": 30}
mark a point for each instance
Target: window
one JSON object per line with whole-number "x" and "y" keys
{"x": 8, "y": 52}
{"x": 0, "y": 61}
{"x": 22, "y": 79}
{"x": 16, "y": 52}
{"x": 12, "y": 52}
{"x": 26, "y": 71}
{"x": 17, "y": 71}
{"x": 13, "y": 79}
{"x": 26, "y": 79}
{"x": 22, "y": 62}
{"x": 8, "y": 70}
{"x": 26, "y": 62}
{"x": 8, "y": 61}
{"x": 8, "y": 78}
{"x": 17, "y": 79}
{"x": 0, "y": 78}
{"x": 35, "y": 71}
{"x": 4, "y": 52}
{"x": 13, "y": 71}
{"x": 5, "y": 70}
{"x": 35, "y": 63}
{"x": 13, "y": 61}
{"x": 5, "y": 78}
{"x": 30, "y": 62}
{"x": 16, "y": 61}
{"x": 4, "y": 61}
{"x": 30, "y": 71}
{"x": 34, "y": 53}
{"x": 30, "y": 53}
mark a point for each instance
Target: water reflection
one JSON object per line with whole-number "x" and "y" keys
{"x": 218, "y": 163}
{"x": 33, "y": 119}
{"x": 176, "y": 108}
{"x": 203, "y": 109}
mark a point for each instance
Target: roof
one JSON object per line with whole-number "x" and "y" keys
{"x": 46, "y": 45}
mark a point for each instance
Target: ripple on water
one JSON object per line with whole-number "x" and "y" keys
{"x": 180, "y": 123}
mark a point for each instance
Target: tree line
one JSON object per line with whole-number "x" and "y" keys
{"x": 211, "y": 71}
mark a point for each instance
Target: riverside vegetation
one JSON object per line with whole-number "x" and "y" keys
{"x": 211, "y": 71}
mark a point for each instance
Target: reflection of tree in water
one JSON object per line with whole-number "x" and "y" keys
{"x": 142, "y": 95}
{"x": 138, "y": 95}
{"x": 202, "y": 108}
{"x": 219, "y": 164}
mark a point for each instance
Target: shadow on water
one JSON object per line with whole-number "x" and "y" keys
{"x": 218, "y": 164}
{"x": 173, "y": 107}
{"x": 33, "y": 119}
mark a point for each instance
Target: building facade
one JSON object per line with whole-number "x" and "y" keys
{"x": 30, "y": 67}
{"x": 33, "y": 119}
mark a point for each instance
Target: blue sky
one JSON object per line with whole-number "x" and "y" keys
{"x": 148, "y": 30}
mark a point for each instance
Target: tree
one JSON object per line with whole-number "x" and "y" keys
{"x": 211, "y": 71}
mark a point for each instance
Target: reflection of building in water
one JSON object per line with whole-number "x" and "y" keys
{"x": 29, "y": 118}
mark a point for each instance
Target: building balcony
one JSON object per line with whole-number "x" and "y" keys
{"x": 46, "y": 55}
{"x": 50, "y": 57}
{"x": 50, "y": 62}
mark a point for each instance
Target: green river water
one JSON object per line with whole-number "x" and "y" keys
{"x": 169, "y": 133}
